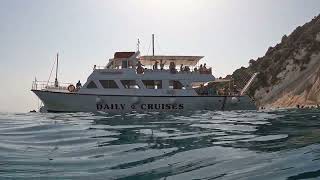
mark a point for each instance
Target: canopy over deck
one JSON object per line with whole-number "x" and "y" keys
{"x": 185, "y": 60}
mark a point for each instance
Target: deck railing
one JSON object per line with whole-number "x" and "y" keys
{"x": 98, "y": 67}
{"x": 192, "y": 69}
{"x": 43, "y": 85}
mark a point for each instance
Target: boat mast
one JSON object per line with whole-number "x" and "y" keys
{"x": 152, "y": 44}
{"x": 56, "y": 84}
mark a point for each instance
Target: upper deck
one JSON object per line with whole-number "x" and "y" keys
{"x": 161, "y": 67}
{"x": 151, "y": 74}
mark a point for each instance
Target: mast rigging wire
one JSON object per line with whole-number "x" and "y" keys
{"x": 158, "y": 44}
{"x": 54, "y": 63}
{"x": 149, "y": 47}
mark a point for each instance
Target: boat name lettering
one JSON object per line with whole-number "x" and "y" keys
{"x": 110, "y": 106}
{"x": 161, "y": 106}
{"x": 141, "y": 106}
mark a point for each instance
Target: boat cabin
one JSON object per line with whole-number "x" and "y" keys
{"x": 128, "y": 73}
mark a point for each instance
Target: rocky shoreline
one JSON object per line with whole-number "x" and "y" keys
{"x": 289, "y": 72}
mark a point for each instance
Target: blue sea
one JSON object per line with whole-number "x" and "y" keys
{"x": 282, "y": 144}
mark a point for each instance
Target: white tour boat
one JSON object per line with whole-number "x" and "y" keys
{"x": 130, "y": 82}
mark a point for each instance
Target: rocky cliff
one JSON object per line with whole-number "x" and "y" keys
{"x": 289, "y": 72}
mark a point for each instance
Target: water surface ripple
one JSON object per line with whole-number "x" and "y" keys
{"x": 193, "y": 145}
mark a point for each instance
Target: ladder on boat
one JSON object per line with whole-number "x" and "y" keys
{"x": 246, "y": 87}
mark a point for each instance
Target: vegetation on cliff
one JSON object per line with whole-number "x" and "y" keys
{"x": 283, "y": 64}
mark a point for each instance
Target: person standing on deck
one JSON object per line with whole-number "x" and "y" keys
{"x": 162, "y": 64}
{"x": 78, "y": 85}
{"x": 172, "y": 67}
{"x": 139, "y": 67}
{"x": 201, "y": 69}
{"x": 155, "y": 66}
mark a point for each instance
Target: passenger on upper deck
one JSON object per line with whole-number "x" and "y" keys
{"x": 206, "y": 70}
{"x": 195, "y": 69}
{"x": 201, "y": 69}
{"x": 162, "y": 64}
{"x": 172, "y": 67}
{"x": 181, "y": 67}
{"x": 155, "y": 66}
{"x": 186, "y": 69}
{"x": 139, "y": 64}
{"x": 139, "y": 68}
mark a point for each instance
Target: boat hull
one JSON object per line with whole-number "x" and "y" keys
{"x": 75, "y": 102}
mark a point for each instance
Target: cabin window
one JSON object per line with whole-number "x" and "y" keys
{"x": 175, "y": 85}
{"x": 152, "y": 84}
{"x": 92, "y": 85}
{"x": 130, "y": 84}
{"x": 109, "y": 84}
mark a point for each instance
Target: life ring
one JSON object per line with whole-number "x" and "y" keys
{"x": 71, "y": 88}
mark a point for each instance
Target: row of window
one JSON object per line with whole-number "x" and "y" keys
{"x": 132, "y": 84}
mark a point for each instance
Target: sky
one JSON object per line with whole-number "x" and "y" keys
{"x": 87, "y": 32}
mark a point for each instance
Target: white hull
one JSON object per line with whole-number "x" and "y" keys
{"x": 76, "y": 102}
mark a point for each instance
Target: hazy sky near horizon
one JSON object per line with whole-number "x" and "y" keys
{"x": 87, "y": 32}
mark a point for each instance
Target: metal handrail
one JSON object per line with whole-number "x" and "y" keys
{"x": 208, "y": 69}
{"x": 42, "y": 85}
{"x": 98, "y": 67}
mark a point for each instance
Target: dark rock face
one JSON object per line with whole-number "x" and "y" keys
{"x": 295, "y": 58}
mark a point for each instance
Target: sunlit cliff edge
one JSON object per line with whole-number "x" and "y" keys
{"x": 289, "y": 72}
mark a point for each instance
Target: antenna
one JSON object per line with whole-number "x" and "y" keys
{"x": 56, "y": 83}
{"x": 152, "y": 44}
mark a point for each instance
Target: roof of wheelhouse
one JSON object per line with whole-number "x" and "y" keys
{"x": 118, "y": 55}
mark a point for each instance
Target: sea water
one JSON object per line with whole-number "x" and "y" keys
{"x": 191, "y": 145}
